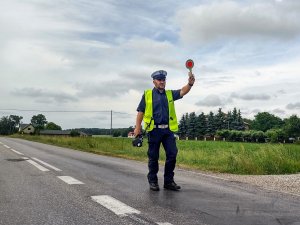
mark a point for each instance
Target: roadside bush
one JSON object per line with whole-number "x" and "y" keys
{"x": 275, "y": 135}
{"x": 258, "y": 136}
{"x": 246, "y": 135}
{"x": 74, "y": 133}
{"x": 223, "y": 133}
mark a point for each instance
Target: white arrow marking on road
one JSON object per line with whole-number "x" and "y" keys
{"x": 114, "y": 205}
{"x": 19, "y": 153}
{"x": 36, "y": 164}
{"x": 69, "y": 180}
{"x": 46, "y": 164}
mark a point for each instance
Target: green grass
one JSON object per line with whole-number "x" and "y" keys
{"x": 241, "y": 158}
{"x": 224, "y": 157}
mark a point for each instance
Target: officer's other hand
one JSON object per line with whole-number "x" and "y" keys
{"x": 137, "y": 131}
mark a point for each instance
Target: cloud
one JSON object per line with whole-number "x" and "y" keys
{"x": 116, "y": 85}
{"x": 206, "y": 23}
{"x": 281, "y": 91}
{"x": 278, "y": 111}
{"x": 293, "y": 106}
{"x": 250, "y": 96}
{"x": 255, "y": 111}
{"x": 100, "y": 54}
{"x": 211, "y": 101}
{"x": 210, "y": 70}
{"x": 45, "y": 96}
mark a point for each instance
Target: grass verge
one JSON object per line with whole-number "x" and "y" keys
{"x": 223, "y": 157}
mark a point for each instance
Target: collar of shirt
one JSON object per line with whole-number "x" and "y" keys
{"x": 157, "y": 91}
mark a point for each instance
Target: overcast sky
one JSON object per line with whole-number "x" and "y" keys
{"x": 84, "y": 55}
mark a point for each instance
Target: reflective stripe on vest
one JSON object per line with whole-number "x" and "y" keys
{"x": 148, "y": 116}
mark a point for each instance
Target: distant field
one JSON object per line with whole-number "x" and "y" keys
{"x": 219, "y": 156}
{"x": 101, "y": 136}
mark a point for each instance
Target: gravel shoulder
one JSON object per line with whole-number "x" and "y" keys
{"x": 281, "y": 183}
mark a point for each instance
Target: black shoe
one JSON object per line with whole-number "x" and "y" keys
{"x": 172, "y": 186}
{"x": 154, "y": 186}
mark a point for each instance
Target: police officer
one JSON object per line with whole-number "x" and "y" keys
{"x": 157, "y": 110}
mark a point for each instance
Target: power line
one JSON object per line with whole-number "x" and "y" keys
{"x": 66, "y": 111}
{"x": 124, "y": 113}
{"x": 37, "y": 110}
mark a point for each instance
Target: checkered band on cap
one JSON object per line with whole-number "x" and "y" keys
{"x": 160, "y": 74}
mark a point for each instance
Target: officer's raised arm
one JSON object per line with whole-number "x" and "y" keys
{"x": 185, "y": 89}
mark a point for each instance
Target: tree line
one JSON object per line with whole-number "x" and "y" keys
{"x": 115, "y": 132}
{"x": 232, "y": 126}
{"x": 192, "y": 125}
{"x": 10, "y": 124}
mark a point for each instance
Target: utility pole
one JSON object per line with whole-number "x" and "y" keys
{"x": 111, "y": 122}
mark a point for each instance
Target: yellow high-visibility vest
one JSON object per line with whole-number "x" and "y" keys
{"x": 148, "y": 115}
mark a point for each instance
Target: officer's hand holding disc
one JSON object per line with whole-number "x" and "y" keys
{"x": 189, "y": 65}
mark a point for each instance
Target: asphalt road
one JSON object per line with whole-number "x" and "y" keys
{"x": 43, "y": 184}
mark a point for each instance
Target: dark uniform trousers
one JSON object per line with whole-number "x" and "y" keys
{"x": 155, "y": 138}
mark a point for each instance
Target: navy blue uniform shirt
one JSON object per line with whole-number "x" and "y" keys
{"x": 160, "y": 105}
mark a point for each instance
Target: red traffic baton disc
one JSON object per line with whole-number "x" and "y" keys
{"x": 189, "y": 64}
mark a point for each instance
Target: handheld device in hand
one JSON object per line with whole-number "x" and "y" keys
{"x": 189, "y": 64}
{"x": 138, "y": 141}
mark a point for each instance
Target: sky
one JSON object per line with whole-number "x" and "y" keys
{"x": 75, "y": 61}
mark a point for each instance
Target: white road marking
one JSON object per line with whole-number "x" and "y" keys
{"x": 119, "y": 208}
{"x": 69, "y": 180}
{"x": 6, "y": 146}
{"x": 164, "y": 223}
{"x": 19, "y": 153}
{"x": 46, "y": 164}
{"x": 41, "y": 168}
{"x": 1, "y": 143}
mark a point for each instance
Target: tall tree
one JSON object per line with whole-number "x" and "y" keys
{"x": 39, "y": 121}
{"x": 220, "y": 120}
{"x": 201, "y": 125}
{"x": 191, "y": 128}
{"x": 292, "y": 126}
{"x": 16, "y": 119}
{"x": 229, "y": 121}
{"x": 52, "y": 126}
{"x": 5, "y": 125}
{"x": 264, "y": 121}
{"x": 234, "y": 123}
{"x": 8, "y": 124}
{"x": 183, "y": 123}
{"x": 211, "y": 128}
{"x": 240, "y": 122}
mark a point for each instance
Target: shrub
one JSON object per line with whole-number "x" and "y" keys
{"x": 74, "y": 133}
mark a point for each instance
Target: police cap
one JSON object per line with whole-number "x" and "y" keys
{"x": 158, "y": 75}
